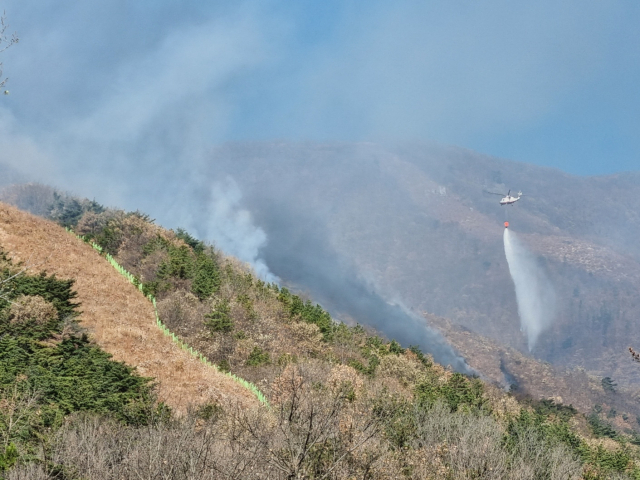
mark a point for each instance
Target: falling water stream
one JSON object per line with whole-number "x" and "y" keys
{"x": 534, "y": 292}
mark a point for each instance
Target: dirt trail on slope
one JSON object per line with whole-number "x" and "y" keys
{"x": 117, "y": 316}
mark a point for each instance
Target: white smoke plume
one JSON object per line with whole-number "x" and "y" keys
{"x": 232, "y": 229}
{"x": 534, "y": 292}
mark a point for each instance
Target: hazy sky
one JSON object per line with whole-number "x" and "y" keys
{"x": 154, "y": 83}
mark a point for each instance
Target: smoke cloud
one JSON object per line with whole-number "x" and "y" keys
{"x": 534, "y": 292}
{"x": 232, "y": 228}
{"x": 134, "y": 97}
{"x": 300, "y": 251}
{"x": 134, "y": 84}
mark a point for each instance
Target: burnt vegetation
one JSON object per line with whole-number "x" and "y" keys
{"x": 345, "y": 403}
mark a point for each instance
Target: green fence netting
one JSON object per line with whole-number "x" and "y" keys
{"x": 248, "y": 385}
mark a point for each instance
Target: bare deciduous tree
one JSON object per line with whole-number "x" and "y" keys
{"x": 18, "y": 409}
{"x": 5, "y": 42}
{"x": 312, "y": 428}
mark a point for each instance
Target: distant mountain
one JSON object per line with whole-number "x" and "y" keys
{"x": 416, "y": 224}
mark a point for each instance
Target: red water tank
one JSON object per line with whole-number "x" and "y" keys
{"x": 506, "y": 224}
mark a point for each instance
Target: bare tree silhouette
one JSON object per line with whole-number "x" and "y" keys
{"x": 5, "y": 42}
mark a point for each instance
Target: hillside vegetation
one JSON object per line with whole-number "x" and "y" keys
{"x": 416, "y": 221}
{"x": 345, "y": 403}
{"x": 114, "y": 312}
{"x": 49, "y": 368}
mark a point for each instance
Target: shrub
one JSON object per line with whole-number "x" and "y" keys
{"x": 601, "y": 428}
{"x": 548, "y": 407}
{"x": 307, "y": 312}
{"x": 400, "y": 424}
{"x": 395, "y": 348}
{"x": 248, "y": 307}
{"x": 426, "y": 361}
{"x": 219, "y": 320}
{"x": 9, "y": 457}
{"x": 198, "y": 246}
{"x": 32, "y": 308}
{"x": 369, "y": 369}
{"x": 181, "y": 308}
{"x": 608, "y": 385}
{"x": 458, "y": 391}
{"x": 399, "y": 367}
{"x": 258, "y": 357}
{"x": 224, "y": 366}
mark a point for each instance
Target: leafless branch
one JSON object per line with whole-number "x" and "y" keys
{"x": 5, "y": 42}
{"x": 16, "y": 406}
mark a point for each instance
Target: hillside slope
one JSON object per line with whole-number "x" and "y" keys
{"x": 416, "y": 224}
{"x": 117, "y": 315}
{"x": 345, "y": 403}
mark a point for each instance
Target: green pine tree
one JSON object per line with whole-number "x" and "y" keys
{"x": 219, "y": 320}
{"x": 207, "y": 277}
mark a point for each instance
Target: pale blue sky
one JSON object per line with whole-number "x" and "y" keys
{"x": 547, "y": 82}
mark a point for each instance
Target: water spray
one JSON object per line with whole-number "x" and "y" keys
{"x": 534, "y": 292}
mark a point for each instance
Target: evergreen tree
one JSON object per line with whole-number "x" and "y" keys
{"x": 609, "y": 385}
{"x": 219, "y": 320}
{"x": 207, "y": 277}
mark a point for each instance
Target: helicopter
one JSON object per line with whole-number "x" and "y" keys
{"x": 507, "y": 199}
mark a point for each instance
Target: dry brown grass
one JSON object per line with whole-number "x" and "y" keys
{"x": 27, "y": 308}
{"x": 115, "y": 313}
{"x": 268, "y": 328}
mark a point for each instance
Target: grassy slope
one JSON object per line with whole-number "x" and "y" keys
{"x": 118, "y": 317}
{"x": 289, "y": 343}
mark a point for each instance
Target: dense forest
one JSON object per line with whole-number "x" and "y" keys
{"x": 343, "y": 402}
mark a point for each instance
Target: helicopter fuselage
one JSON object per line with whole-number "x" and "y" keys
{"x": 508, "y": 200}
